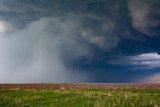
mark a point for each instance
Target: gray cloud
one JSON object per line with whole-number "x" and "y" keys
{"x": 96, "y": 21}
{"x": 29, "y": 56}
{"x": 57, "y": 40}
{"x": 145, "y": 14}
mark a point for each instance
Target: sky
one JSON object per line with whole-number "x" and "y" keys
{"x": 109, "y": 41}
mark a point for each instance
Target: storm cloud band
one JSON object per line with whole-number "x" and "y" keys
{"x": 82, "y": 40}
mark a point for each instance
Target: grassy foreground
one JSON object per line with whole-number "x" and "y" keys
{"x": 18, "y": 97}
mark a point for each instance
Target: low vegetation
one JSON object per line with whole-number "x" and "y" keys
{"x": 79, "y": 97}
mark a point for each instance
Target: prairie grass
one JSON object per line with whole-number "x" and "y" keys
{"x": 79, "y": 97}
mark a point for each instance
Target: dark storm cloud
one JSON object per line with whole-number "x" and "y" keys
{"x": 96, "y": 21}
{"x": 83, "y": 36}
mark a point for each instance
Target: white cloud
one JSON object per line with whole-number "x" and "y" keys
{"x": 146, "y": 61}
{"x": 145, "y": 57}
{"x": 149, "y": 59}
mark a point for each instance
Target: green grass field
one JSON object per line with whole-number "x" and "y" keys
{"x": 17, "y": 97}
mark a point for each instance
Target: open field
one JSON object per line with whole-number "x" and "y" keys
{"x": 79, "y": 95}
